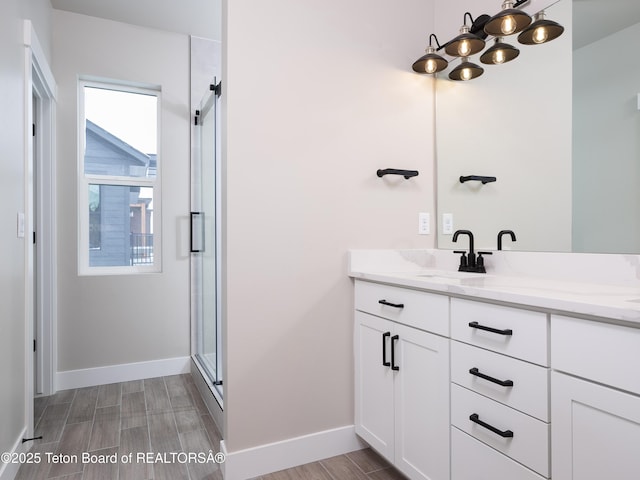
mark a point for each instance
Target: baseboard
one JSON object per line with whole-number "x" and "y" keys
{"x": 89, "y": 377}
{"x": 272, "y": 457}
{"x": 8, "y": 471}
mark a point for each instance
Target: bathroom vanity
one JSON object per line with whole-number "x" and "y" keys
{"x": 500, "y": 376}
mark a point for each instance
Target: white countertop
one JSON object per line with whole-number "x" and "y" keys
{"x": 617, "y": 302}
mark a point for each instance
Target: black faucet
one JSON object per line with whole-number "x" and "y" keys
{"x": 468, "y": 262}
{"x": 471, "y": 258}
{"x": 505, "y": 232}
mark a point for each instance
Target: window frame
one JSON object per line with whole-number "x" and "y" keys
{"x": 84, "y": 180}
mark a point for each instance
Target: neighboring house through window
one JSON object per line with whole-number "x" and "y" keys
{"x": 119, "y": 188}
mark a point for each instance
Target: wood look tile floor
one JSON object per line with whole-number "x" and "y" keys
{"x": 157, "y": 415}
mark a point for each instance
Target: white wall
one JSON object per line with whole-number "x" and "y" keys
{"x": 317, "y": 96}
{"x": 514, "y": 123}
{"x": 109, "y": 320}
{"x": 13, "y": 343}
{"x": 606, "y": 150}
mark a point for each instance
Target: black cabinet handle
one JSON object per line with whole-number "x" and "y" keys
{"x": 389, "y": 304}
{"x": 384, "y": 349}
{"x": 503, "y": 433}
{"x": 393, "y": 353}
{"x": 502, "y": 383}
{"x": 506, "y": 331}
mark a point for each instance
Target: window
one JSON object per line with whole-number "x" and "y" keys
{"x": 119, "y": 179}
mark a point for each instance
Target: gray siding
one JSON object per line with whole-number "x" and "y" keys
{"x": 115, "y": 247}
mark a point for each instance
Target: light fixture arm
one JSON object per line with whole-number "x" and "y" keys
{"x": 470, "y": 18}
{"x": 436, "y": 40}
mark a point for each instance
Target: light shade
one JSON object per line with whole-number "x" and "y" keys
{"x": 508, "y": 22}
{"x": 466, "y": 71}
{"x": 430, "y": 63}
{"x": 499, "y": 53}
{"x": 464, "y": 44}
{"x": 540, "y": 31}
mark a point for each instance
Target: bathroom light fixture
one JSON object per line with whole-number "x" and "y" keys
{"x": 540, "y": 31}
{"x": 508, "y": 22}
{"x": 468, "y": 42}
{"x": 466, "y": 70}
{"x": 471, "y": 40}
{"x": 431, "y": 62}
{"x": 499, "y": 53}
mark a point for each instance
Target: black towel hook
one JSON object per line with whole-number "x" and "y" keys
{"x": 478, "y": 178}
{"x": 394, "y": 171}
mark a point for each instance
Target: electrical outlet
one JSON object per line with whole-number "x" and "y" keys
{"x": 424, "y": 223}
{"x": 447, "y": 223}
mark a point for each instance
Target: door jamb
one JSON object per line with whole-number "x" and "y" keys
{"x": 39, "y": 80}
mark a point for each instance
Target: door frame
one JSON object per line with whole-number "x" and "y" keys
{"x": 39, "y": 82}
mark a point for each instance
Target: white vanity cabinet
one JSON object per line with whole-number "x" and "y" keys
{"x": 499, "y": 392}
{"x": 595, "y": 400}
{"x": 402, "y": 377}
{"x": 474, "y": 384}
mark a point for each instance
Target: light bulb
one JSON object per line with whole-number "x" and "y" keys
{"x": 508, "y": 25}
{"x": 464, "y": 48}
{"x": 465, "y": 74}
{"x": 498, "y": 57}
{"x": 431, "y": 66}
{"x": 540, "y": 35}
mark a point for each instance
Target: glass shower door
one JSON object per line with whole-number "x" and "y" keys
{"x": 205, "y": 240}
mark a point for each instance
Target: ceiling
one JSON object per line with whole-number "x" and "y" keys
{"x": 201, "y": 18}
{"x": 596, "y": 19}
{"x": 592, "y": 19}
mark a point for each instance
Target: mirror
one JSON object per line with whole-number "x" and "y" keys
{"x": 559, "y": 129}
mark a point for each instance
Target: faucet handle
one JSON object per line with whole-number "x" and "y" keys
{"x": 463, "y": 258}
{"x": 480, "y": 261}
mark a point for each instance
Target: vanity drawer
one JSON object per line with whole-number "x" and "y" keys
{"x": 601, "y": 352}
{"x": 530, "y": 383}
{"x": 473, "y": 460}
{"x": 529, "y": 444}
{"x": 422, "y": 310}
{"x": 512, "y": 331}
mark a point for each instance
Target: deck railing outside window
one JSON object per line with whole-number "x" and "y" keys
{"x": 141, "y": 248}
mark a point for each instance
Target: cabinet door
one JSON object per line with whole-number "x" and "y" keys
{"x": 595, "y": 431}
{"x": 374, "y": 382}
{"x": 421, "y": 404}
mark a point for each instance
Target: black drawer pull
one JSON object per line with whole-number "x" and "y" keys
{"x": 502, "y": 383}
{"x": 393, "y": 353}
{"x": 476, "y": 419}
{"x": 389, "y": 304}
{"x": 384, "y": 349}
{"x": 506, "y": 331}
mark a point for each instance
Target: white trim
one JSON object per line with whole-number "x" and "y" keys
{"x": 272, "y": 457}
{"x": 38, "y": 77}
{"x": 31, "y": 41}
{"x": 8, "y": 471}
{"x": 89, "y": 377}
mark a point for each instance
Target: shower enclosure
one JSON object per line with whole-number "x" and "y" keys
{"x": 205, "y": 240}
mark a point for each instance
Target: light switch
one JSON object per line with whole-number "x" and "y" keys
{"x": 447, "y": 223}
{"x": 20, "y": 224}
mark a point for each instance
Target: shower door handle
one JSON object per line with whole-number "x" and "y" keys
{"x": 197, "y": 232}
